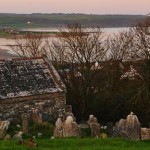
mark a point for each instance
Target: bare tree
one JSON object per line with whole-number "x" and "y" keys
{"x": 142, "y": 39}
{"x": 29, "y": 45}
{"x": 141, "y": 43}
{"x": 142, "y": 47}
{"x": 78, "y": 50}
{"x": 120, "y": 49}
{"x": 121, "y": 46}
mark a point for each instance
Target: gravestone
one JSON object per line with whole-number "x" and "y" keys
{"x": 145, "y": 133}
{"x": 3, "y": 128}
{"x": 128, "y": 128}
{"x": 95, "y": 130}
{"x": 120, "y": 129}
{"x": 36, "y": 116}
{"x": 95, "y": 126}
{"x": 70, "y": 128}
{"x": 18, "y": 136}
{"x": 58, "y": 130}
{"x": 92, "y": 119}
{"x": 133, "y": 127}
{"x": 69, "y": 114}
{"x": 25, "y": 123}
{"x": 7, "y": 137}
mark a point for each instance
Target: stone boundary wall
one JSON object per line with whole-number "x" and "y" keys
{"x": 51, "y": 106}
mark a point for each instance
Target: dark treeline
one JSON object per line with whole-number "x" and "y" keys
{"x": 57, "y": 20}
{"x": 105, "y": 76}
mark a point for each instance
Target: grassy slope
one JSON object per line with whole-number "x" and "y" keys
{"x": 81, "y": 144}
{"x": 4, "y": 34}
{"x": 55, "y": 20}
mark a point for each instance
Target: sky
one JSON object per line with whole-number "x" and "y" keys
{"x": 76, "y": 6}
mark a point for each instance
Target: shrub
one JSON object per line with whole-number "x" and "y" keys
{"x": 45, "y": 128}
{"x": 85, "y": 132}
{"x": 13, "y": 129}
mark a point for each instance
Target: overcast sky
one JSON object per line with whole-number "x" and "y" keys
{"x": 76, "y": 6}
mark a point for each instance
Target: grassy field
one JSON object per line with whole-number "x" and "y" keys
{"x": 4, "y": 34}
{"x": 56, "y": 20}
{"x": 80, "y": 144}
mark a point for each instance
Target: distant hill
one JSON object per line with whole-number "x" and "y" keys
{"x": 38, "y": 20}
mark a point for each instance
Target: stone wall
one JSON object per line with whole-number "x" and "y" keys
{"x": 51, "y": 106}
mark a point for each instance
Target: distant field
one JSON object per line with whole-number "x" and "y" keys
{"x": 56, "y": 20}
{"x": 80, "y": 144}
{"x": 4, "y": 34}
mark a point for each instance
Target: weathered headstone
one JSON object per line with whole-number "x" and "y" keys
{"x": 110, "y": 129}
{"x": 25, "y": 123}
{"x": 133, "y": 127}
{"x": 145, "y": 133}
{"x": 18, "y": 136}
{"x": 39, "y": 135}
{"x": 18, "y": 126}
{"x": 58, "y": 130}
{"x": 129, "y": 128}
{"x": 95, "y": 130}
{"x": 76, "y": 129}
{"x": 92, "y": 119}
{"x": 70, "y": 128}
{"x": 36, "y": 116}
{"x": 84, "y": 125}
{"x": 95, "y": 126}
{"x": 120, "y": 129}
{"x": 69, "y": 114}
{"x": 7, "y": 137}
{"x": 3, "y": 128}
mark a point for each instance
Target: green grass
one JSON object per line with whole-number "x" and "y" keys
{"x": 56, "y": 20}
{"x": 80, "y": 144}
{"x": 4, "y": 35}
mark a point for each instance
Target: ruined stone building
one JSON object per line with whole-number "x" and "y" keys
{"x": 27, "y": 84}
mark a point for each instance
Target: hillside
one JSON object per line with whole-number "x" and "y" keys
{"x": 38, "y": 20}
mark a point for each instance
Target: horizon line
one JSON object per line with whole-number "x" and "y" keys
{"x": 75, "y": 13}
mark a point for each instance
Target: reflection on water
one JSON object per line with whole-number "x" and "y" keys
{"x": 41, "y": 29}
{"x": 5, "y": 42}
{"x": 108, "y": 30}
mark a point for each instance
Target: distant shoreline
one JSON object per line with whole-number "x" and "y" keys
{"x": 38, "y": 20}
{"x": 47, "y": 32}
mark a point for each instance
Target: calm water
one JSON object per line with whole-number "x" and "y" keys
{"x": 108, "y": 30}
{"x": 4, "y": 42}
